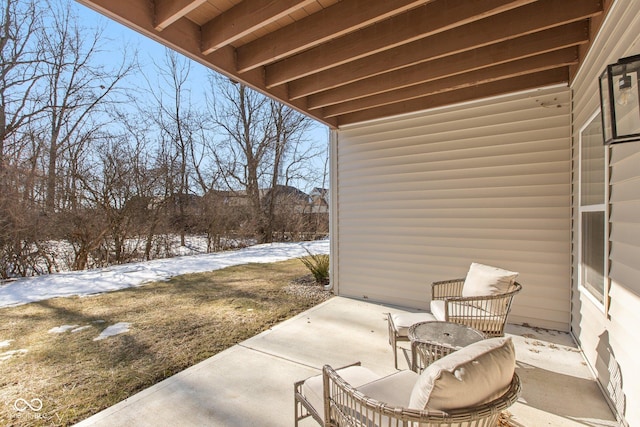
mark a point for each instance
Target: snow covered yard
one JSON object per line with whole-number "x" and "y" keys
{"x": 126, "y": 275}
{"x": 77, "y": 348}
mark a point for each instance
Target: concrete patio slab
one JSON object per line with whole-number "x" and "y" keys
{"x": 251, "y": 384}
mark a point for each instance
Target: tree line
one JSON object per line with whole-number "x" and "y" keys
{"x": 97, "y": 153}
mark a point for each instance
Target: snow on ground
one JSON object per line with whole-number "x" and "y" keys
{"x": 60, "y": 253}
{"x": 61, "y": 329}
{"x": 118, "y": 328}
{"x": 9, "y": 354}
{"x": 117, "y": 277}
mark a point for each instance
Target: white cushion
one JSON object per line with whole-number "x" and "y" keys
{"x": 394, "y": 389}
{"x": 437, "y": 309}
{"x": 471, "y": 376}
{"x": 484, "y": 280}
{"x": 403, "y": 321}
{"x": 312, "y": 388}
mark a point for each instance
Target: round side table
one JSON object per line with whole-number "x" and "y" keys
{"x": 433, "y": 340}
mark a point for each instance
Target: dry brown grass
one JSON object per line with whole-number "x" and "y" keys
{"x": 174, "y": 325}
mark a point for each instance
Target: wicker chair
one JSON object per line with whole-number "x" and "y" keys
{"x": 487, "y": 314}
{"x": 399, "y": 328}
{"x": 346, "y": 406}
{"x": 356, "y": 397}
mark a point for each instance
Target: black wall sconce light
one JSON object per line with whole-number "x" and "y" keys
{"x": 620, "y": 100}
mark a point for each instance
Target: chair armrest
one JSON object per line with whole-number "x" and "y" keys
{"x": 304, "y": 408}
{"x": 299, "y": 383}
{"x": 447, "y": 288}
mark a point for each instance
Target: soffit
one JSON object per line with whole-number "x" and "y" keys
{"x": 350, "y": 61}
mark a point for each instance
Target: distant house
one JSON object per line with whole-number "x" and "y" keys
{"x": 229, "y": 197}
{"x": 287, "y": 197}
{"x": 319, "y": 200}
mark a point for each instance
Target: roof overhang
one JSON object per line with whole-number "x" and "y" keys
{"x": 350, "y": 61}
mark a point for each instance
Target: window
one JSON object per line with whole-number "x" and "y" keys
{"x": 592, "y": 207}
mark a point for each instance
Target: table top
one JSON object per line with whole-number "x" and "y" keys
{"x": 447, "y": 334}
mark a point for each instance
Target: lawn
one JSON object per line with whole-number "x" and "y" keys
{"x": 171, "y": 326}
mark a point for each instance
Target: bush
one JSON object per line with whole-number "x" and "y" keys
{"x": 318, "y": 264}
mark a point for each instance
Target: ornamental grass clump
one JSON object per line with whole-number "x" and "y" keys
{"x": 318, "y": 265}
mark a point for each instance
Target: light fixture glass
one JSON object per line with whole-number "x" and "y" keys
{"x": 625, "y": 89}
{"x": 619, "y": 100}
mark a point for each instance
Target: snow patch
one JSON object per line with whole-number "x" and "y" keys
{"x": 5, "y": 343}
{"x": 9, "y": 354}
{"x": 118, "y": 328}
{"x": 61, "y": 329}
{"x": 81, "y": 328}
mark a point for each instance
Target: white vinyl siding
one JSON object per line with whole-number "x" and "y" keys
{"x": 609, "y": 339}
{"x": 420, "y": 197}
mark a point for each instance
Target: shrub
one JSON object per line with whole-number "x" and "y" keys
{"x": 318, "y": 265}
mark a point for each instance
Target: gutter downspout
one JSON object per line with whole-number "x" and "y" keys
{"x": 333, "y": 213}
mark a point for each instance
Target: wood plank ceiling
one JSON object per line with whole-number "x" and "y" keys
{"x": 348, "y": 61}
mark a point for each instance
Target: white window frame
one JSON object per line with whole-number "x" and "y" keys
{"x": 603, "y": 207}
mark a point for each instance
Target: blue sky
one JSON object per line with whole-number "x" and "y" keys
{"x": 149, "y": 49}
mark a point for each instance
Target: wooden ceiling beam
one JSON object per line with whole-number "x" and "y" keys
{"x": 244, "y": 18}
{"x": 510, "y": 50}
{"x": 169, "y": 11}
{"x": 184, "y": 37}
{"x": 329, "y": 23}
{"x": 530, "y": 65}
{"x": 594, "y": 28}
{"x": 381, "y": 57}
{"x": 404, "y": 28}
{"x": 535, "y": 17}
{"x": 501, "y": 87}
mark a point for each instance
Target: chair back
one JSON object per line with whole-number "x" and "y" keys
{"x": 484, "y": 313}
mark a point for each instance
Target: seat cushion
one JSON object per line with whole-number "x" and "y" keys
{"x": 394, "y": 389}
{"x": 403, "y": 321}
{"x": 484, "y": 280}
{"x": 468, "y": 377}
{"x": 437, "y": 309}
{"x": 312, "y": 388}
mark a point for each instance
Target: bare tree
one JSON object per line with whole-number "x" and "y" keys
{"x": 19, "y": 75}
{"x": 261, "y": 148}
{"x": 75, "y": 163}
{"x": 147, "y": 204}
{"x": 287, "y": 157}
{"x": 243, "y": 115}
{"x": 79, "y": 88}
{"x": 180, "y": 126}
{"x": 19, "y": 70}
